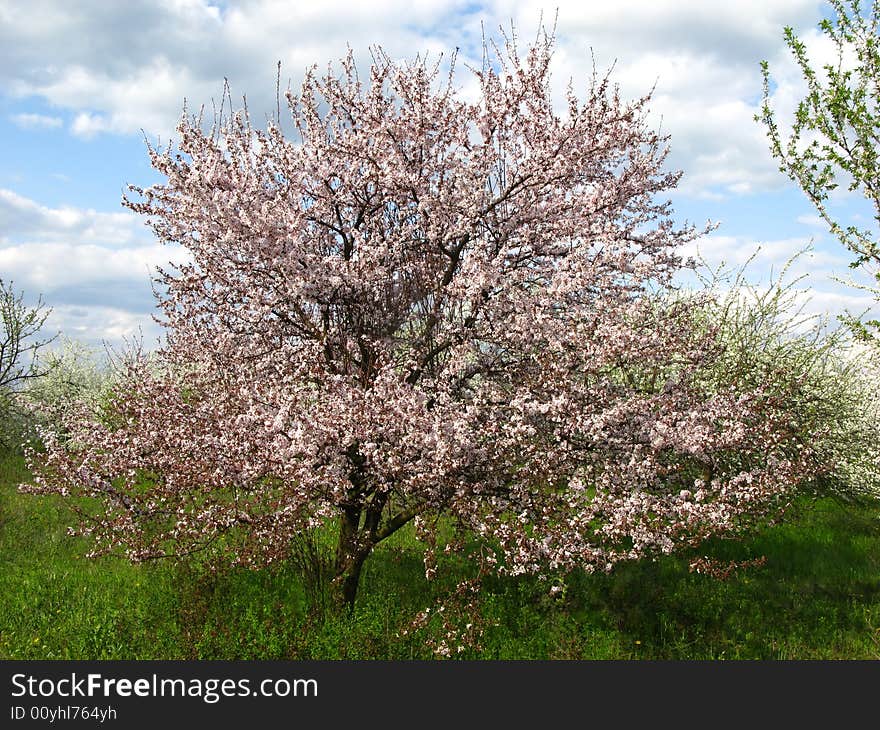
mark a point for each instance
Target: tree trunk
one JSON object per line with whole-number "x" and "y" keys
{"x": 350, "y": 557}
{"x": 349, "y": 580}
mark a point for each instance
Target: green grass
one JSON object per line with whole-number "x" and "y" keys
{"x": 816, "y": 597}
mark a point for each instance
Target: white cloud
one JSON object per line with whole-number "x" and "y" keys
{"x": 125, "y": 67}
{"x": 94, "y": 269}
{"x": 118, "y": 68}
{"x": 48, "y": 267}
{"x": 821, "y": 277}
{"x": 36, "y": 121}
{"x": 22, "y": 218}
{"x": 97, "y": 325}
{"x": 704, "y": 58}
{"x": 87, "y": 125}
{"x": 769, "y": 257}
{"x": 814, "y": 221}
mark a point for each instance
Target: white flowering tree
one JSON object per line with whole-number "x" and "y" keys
{"x": 74, "y": 379}
{"x": 421, "y": 308}
{"x": 21, "y": 342}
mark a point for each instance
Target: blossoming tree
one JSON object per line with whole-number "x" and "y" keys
{"x": 425, "y": 307}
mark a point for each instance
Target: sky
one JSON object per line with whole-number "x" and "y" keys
{"x": 84, "y": 85}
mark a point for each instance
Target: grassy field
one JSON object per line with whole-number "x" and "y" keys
{"x": 816, "y": 597}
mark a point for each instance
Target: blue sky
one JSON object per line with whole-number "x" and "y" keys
{"x": 82, "y": 83}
